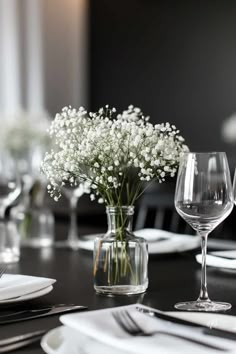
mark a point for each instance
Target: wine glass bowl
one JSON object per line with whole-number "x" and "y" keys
{"x": 72, "y": 192}
{"x": 203, "y": 198}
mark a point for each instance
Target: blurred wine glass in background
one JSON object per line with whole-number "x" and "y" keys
{"x": 10, "y": 183}
{"x": 73, "y": 193}
{"x": 25, "y": 138}
{"x": 10, "y": 189}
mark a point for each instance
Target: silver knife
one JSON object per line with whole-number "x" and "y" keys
{"x": 205, "y": 329}
{"x": 34, "y": 310}
{"x": 31, "y": 314}
{"x": 20, "y": 341}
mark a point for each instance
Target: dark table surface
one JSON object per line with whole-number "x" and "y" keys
{"x": 172, "y": 278}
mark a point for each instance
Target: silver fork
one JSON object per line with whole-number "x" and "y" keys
{"x": 131, "y": 327}
{"x": 2, "y": 271}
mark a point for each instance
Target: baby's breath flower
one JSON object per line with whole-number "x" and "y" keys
{"x": 113, "y": 152}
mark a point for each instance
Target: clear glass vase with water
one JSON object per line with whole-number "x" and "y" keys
{"x": 120, "y": 258}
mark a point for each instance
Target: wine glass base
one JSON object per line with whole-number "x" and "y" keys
{"x": 73, "y": 245}
{"x": 204, "y": 306}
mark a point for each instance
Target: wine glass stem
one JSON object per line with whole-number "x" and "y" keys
{"x": 203, "y": 292}
{"x": 2, "y": 235}
{"x": 2, "y": 212}
{"x": 73, "y": 234}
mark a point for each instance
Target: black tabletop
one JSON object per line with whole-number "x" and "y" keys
{"x": 172, "y": 278}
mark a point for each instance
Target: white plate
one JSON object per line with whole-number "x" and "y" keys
{"x": 65, "y": 340}
{"x": 159, "y": 241}
{"x": 53, "y": 340}
{"x": 29, "y": 296}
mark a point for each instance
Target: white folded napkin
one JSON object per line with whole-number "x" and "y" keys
{"x": 230, "y": 254}
{"x": 14, "y": 285}
{"x": 209, "y": 319}
{"x": 102, "y": 327}
{"x": 218, "y": 261}
{"x": 159, "y": 241}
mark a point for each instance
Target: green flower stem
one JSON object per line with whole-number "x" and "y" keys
{"x": 116, "y": 279}
{"x": 26, "y": 225}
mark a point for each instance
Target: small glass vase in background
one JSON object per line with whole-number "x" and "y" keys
{"x": 36, "y": 227}
{"x": 120, "y": 258}
{"x": 35, "y": 222}
{"x": 9, "y": 242}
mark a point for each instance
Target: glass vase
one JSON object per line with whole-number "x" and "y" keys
{"x": 35, "y": 225}
{"x": 120, "y": 258}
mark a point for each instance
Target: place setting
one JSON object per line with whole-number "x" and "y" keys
{"x": 136, "y": 328}
{"x": 16, "y": 291}
{"x": 15, "y": 288}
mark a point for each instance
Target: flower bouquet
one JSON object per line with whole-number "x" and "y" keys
{"x": 116, "y": 154}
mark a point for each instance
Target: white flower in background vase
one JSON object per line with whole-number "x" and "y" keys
{"x": 24, "y": 136}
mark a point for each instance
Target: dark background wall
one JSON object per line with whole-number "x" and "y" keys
{"x": 174, "y": 59}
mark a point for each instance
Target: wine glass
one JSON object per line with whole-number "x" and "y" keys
{"x": 10, "y": 189}
{"x": 73, "y": 193}
{"x": 234, "y": 186}
{"x": 10, "y": 183}
{"x": 204, "y": 198}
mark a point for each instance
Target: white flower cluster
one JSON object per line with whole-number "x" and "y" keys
{"x": 23, "y": 131}
{"x": 116, "y": 153}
